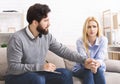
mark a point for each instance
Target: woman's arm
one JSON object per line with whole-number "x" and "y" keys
{"x": 102, "y": 51}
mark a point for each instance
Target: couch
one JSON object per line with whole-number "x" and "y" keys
{"x": 112, "y": 73}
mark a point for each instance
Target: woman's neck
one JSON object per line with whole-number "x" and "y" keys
{"x": 92, "y": 40}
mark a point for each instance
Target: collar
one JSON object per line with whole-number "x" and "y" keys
{"x": 97, "y": 42}
{"x": 29, "y": 33}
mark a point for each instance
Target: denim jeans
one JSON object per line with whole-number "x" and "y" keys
{"x": 65, "y": 77}
{"x": 89, "y": 77}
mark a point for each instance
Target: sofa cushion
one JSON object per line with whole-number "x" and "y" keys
{"x": 69, "y": 64}
{"x": 55, "y": 59}
{"x": 3, "y": 63}
{"x": 113, "y": 65}
{"x": 77, "y": 80}
{"x": 2, "y": 82}
{"x": 112, "y": 77}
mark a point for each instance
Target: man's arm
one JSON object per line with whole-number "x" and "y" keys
{"x": 64, "y": 51}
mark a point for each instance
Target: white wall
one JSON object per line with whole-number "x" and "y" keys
{"x": 67, "y": 16}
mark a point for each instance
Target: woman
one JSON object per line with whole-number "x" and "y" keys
{"x": 92, "y": 45}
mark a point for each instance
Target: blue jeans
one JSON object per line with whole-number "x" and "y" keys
{"x": 89, "y": 77}
{"x": 41, "y": 78}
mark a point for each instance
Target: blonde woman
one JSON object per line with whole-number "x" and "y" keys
{"x": 92, "y": 45}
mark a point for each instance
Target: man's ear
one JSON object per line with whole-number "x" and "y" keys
{"x": 35, "y": 23}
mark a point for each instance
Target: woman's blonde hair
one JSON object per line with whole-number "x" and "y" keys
{"x": 85, "y": 28}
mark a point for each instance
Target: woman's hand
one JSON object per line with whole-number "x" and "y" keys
{"x": 89, "y": 63}
{"x": 92, "y": 64}
{"x": 95, "y": 66}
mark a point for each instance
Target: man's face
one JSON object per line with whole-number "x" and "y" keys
{"x": 43, "y": 26}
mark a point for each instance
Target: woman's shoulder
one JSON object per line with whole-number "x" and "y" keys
{"x": 103, "y": 39}
{"x": 79, "y": 40}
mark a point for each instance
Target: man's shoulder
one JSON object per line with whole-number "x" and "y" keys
{"x": 18, "y": 33}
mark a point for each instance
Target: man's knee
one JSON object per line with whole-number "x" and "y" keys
{"x": 65, "y": 72}
{"x": 36, "y": 78}
{"x": 66, "y": 76}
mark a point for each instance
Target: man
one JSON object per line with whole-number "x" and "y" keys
{"x": 28, "y": 47}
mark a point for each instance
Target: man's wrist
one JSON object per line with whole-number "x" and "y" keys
{"x": 84, "y": 59}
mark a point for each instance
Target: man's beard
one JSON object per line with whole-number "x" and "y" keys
{"x": 42, "y": 31}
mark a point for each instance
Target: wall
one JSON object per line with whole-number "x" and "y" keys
{"x": 67, "y": 16}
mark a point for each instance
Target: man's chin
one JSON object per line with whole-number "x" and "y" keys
{"x": 46, "y": 32}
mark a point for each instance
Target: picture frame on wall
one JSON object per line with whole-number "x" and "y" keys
{"x": 11, "y": 29}
{"x": 107, "y": 19}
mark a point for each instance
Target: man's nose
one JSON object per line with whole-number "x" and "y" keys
{"x": 48, "y": 23}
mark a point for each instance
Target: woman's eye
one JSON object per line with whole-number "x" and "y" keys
{"x": 89, "y": 26}
{"x": 94, "y": 26}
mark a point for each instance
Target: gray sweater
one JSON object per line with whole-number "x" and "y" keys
{"x": 26, "y": 54}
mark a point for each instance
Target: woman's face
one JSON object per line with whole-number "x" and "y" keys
{"x": 92, "y": 29}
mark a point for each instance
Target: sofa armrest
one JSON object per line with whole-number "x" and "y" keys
{"x": 112, "y": 65}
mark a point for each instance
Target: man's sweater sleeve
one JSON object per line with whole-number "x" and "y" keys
{"x": 64, "y": 51}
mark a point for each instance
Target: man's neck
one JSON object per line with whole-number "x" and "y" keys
{"x": 33, "y": 31}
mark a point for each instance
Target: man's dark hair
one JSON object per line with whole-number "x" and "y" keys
{"x": 37, "y": 12}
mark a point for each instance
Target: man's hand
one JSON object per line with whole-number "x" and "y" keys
{"x": 49, "y": 67}
{"x": 89, "y": 63}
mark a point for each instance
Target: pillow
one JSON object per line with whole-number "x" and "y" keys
{"x": 3, "y": 63}
{"x": 112, "y": 65}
